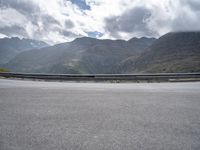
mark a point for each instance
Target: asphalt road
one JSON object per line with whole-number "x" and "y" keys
{"x": 99, "y": 116}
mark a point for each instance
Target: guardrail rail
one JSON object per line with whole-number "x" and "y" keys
{"x": 106, "y": 77}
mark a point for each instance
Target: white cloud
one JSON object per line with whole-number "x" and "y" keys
{"x": 10, "y": 17}
{"x": 2, "y": 36}
{"x": 56, "y": 21}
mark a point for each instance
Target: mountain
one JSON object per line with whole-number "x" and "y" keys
{"x": 83, "y": 55}
{"x": 173, "y": 52}
{"x": 10, "y": 47}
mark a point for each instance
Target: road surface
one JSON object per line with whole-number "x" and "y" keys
{"x": 37, "y": 115}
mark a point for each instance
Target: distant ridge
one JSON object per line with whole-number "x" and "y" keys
{"x": 83, "y": 55}
{"x": 175, "y": 52}
{"x": 10, "y": 47}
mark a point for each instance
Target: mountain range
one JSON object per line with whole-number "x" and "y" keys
{"x": 83, "y": 55}
{"x": 11, "y": 47}
{"x": 173, "y": 52}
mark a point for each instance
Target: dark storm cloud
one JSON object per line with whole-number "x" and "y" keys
{"x": 134, "y": 20}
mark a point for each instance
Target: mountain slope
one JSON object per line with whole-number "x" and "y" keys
{"x": 10, "y": 47}
{"x": 83, "y": 55}
{"x": 173, "y": 52}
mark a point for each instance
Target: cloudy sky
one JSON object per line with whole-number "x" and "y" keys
{"x": 56, "y": 21}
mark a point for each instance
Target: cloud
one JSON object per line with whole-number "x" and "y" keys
{"x": 193, "y": 4}
{"x": 155, "y": 18}
{"x": 14, "y": 31}
{"x": 2, "y": 35}
{"x": 56, "y": 21}
{"x": 37, "y": 19}
{"x": 22, "y": 6}
{"x": 69, "y": 24}
{"x": 10, "y": 17}
{"x": 131, "y": 21}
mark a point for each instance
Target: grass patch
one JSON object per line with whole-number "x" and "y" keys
{"x": 4, "y": 70}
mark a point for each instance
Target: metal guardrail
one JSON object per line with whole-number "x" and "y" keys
{"x": 106, "y": 77}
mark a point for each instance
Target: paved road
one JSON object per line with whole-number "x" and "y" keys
{"x": 99, "y": 116}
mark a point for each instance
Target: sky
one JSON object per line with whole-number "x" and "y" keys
{"x": 57, "y": 21}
